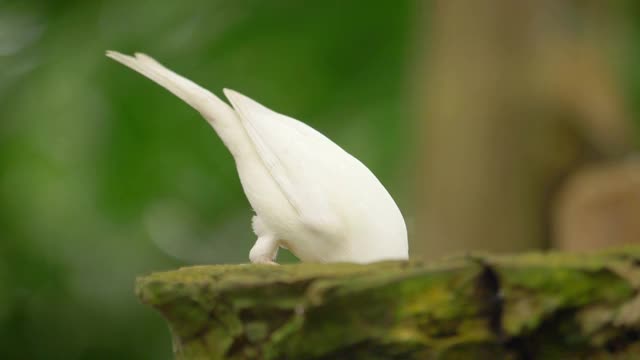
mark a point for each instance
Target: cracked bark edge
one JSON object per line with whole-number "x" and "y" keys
{"x": 529, "y": 306}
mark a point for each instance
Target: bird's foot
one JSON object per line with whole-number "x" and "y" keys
{"x": 265, "y": 249}
{"x": 264, "y": 261}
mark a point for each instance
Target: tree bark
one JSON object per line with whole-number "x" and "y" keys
{"x": 532, "y": 306}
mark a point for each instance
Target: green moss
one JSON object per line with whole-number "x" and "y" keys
{"x": 497, "y": 307}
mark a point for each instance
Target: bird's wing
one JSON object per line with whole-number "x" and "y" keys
{"x": 293, "y": 154}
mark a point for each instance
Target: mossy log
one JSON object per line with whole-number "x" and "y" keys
{"x": 531, "y": 306}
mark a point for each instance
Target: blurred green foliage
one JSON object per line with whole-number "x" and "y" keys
{"x": 105, "y": 176}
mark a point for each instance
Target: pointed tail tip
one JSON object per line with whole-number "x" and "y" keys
{"x": 115, "y": 55}
{"x": 118, "y": 55}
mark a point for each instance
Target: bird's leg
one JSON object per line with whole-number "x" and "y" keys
{"x": 265, "y": 249}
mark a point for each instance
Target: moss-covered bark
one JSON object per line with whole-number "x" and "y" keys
{"x": 533, "y": 306}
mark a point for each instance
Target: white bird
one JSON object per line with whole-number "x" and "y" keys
{"x": 309, "y": 195}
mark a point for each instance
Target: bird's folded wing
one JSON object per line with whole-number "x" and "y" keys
{"x": 293, "y": 159}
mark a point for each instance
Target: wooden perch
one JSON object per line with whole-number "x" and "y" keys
{"x": 532, "y": 306}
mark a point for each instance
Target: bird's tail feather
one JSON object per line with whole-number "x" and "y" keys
{"x": 218, "y": 113}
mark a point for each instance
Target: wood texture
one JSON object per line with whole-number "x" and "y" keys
{"x": 532, "y": 306}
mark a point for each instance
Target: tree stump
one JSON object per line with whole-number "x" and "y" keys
{"x": 530, "y": 306}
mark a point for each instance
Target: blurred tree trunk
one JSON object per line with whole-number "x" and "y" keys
{"x": 518, "y": 95}
{"x": 599, "y": 206}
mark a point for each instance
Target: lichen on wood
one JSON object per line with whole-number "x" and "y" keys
{"x": 531, "y": 306}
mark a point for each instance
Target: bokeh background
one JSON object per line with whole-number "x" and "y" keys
{"x": 500, "y": 125}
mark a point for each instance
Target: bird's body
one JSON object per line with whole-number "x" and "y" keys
{"x": 309, "y": 195}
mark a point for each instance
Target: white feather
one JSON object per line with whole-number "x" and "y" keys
{"x": 309, "y": 195}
